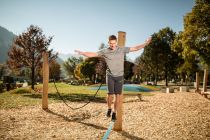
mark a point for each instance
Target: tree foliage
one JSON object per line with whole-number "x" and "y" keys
{"x": 77, "y": 72}
{"x": 54, "y": 70}
{"x": 93, "y": 66}
{"x": 27, "y": 50}
{"x": 2, "y": 70}
{"x": 196, "y": 35}
{"x": 158, "y": 59}
{"x": 128, "y": 70}
{"x": 187, "y": 64}
{"x": 71, "y": 64}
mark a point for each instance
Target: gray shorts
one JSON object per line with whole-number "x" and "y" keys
{"x": 115, "y": 84}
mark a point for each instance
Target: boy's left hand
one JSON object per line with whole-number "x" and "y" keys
{"x": 148, "y": 40}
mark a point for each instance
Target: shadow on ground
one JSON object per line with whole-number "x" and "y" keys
{"x": 72, "y": 97}
{"x": 123, "y": 133}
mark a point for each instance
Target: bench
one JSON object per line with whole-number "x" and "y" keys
{"x": 184, "y": 89}
{"x": 168, "y": 90}
{"x": 206, "y": 94}
{"x": 139, "y": 95}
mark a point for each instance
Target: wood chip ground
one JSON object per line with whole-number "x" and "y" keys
{"x": 176, "y": 116}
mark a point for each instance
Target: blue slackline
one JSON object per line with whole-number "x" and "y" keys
{"x": 108, "y": 130}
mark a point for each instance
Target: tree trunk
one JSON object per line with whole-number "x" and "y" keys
{"x": 197, "y": 82}
{"x": 156, "y": 76}
{"x": 32, "y": 77}
{"x": 166, "y": 77}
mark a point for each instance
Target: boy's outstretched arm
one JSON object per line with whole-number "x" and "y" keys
{"x": 87, "y": 54}
{"x": 138, "y": 47}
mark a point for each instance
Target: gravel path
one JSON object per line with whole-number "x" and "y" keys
{"x": 161, "y": 117}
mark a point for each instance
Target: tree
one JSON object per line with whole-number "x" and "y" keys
{"x": 187, "y": 63}
{"x": 102, "y": 46}
{"x": 100, "y": 67}
{"x": 167, "y": 56}
{"x": 27, "y": 50}
{"x": 77, "y": 72}
{"x": 94, "y": 66}
{"x": 128, "y": 70}
{"x": 145, "y": 69}
{"x": 54, "y": 70}
{"x": 158, "y": 58}
{"x": 196, "y": 35}
{"x": 2, "y": 70}
{"x": 70, "y": 65}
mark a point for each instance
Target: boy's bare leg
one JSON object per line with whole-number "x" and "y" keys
{"x": 116, "y": 103}
{"x": 109, "y": 101}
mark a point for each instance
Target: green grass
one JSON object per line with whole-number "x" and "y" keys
{"x": 25, "y": 96}
{"x": 155, "y": 88}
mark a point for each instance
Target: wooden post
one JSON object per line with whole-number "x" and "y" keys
{"x": 205, "y": 79}
{"x": 45, "y": 81}
{"x": 197, "y": 82}
{"x": 121, "y": 38}
{"x": 118, "y": 123}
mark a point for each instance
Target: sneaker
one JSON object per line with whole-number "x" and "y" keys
{"x": 114, "y": 116}
{"x": 108, "y": 114}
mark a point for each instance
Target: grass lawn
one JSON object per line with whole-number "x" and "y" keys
{"x": 25, "y": 96}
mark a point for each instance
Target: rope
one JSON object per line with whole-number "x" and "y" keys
{"x": 68, "y": 104}
{"x": 106, "y": 135}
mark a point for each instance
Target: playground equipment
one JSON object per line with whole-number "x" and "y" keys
{"x": 45, "y": 86}
{"x": 45, "y": 81}
{"x": 118, "y": 123}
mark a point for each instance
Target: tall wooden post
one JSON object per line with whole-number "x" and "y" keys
{"x": 121, "y": 38}
{"x": 197, "y": 82}
{"x": 45, "y": 81}
{"x": 118, "y": 123}
{"x": 205, "y": 79}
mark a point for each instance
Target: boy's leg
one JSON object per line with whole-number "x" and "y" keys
{"x": 110, "y": 84}
{"x": 109, "y": 101}
{"x": 118, "y": 91}
{"x": 116, "y": 107}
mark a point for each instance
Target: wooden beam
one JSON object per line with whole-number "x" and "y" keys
{"x": 121, "y": 38}
{"x": 45, "y": 81}
{"x": 205, "y": 79}
{"x": 118, "y": 122}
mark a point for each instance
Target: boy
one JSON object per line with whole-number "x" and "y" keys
{"x": 114, "y": 57}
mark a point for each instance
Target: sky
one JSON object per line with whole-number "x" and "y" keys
{"x": 85, "y": 24}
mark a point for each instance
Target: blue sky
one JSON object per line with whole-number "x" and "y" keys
{"x": 85, "y": 24}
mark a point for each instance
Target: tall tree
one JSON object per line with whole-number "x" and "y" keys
{"x": 187, "y": 63}
{"x": 168, "y": 57}
{"x": 196, "y": 35}
{"x": 158, "y": 57}
{"x": 27, "y": 50}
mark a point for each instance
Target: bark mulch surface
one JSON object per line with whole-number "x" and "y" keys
{"x": 163, "y": 116}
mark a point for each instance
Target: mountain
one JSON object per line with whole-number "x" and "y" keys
{"x": 59, "y": 60}
{"x": 6, "y": 38}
